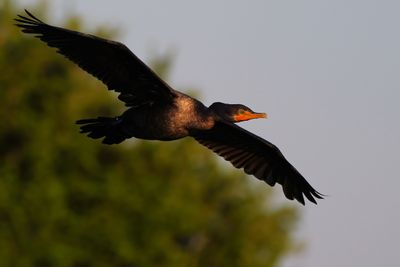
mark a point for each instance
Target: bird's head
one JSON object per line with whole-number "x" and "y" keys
{"x": 235, "y": 112}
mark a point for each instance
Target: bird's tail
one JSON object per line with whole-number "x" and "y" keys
{"x": 110, "y": 128}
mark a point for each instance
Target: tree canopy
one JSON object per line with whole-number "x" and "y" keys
{"x": 67, "y": 200}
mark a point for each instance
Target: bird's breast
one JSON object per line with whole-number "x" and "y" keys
{"x": 187, "y": 115}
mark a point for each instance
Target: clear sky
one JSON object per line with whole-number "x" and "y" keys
{"x": 328, "y": 75}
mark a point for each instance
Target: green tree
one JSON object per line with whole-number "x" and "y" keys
{"x": 66, "y": 200}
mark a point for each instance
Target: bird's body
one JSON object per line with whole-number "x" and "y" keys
{"x": 166, "y": 122}
{"x": 158, "y": 112}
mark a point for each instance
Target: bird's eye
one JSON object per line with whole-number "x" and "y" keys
{"x": 241, "y": 111}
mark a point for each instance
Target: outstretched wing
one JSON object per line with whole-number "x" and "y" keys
{"x": 111, "y": 62}
{"x": 258, "y": 157}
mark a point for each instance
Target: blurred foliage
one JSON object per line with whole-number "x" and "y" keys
{"x": 67, "y": 200}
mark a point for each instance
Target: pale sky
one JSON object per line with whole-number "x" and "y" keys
{"x": 328, "y": 75}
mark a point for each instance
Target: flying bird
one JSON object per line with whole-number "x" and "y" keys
{"x": 158, "y": 112}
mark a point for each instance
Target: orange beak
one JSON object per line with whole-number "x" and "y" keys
{"x": 249, "y": 116}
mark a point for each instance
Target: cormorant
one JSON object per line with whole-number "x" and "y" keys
{"x": 158, "y": 112}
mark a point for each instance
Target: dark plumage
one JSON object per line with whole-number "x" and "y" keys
{"x": 158, "y": 112}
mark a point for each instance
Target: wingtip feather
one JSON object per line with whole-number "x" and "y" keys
{"x": 32, "y": 16}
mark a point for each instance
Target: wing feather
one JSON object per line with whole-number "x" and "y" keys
{"x": 257, "y": 157}
{"x": 111, "y": 62}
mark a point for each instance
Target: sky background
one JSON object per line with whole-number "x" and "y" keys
{"x": 328, "y": 75}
